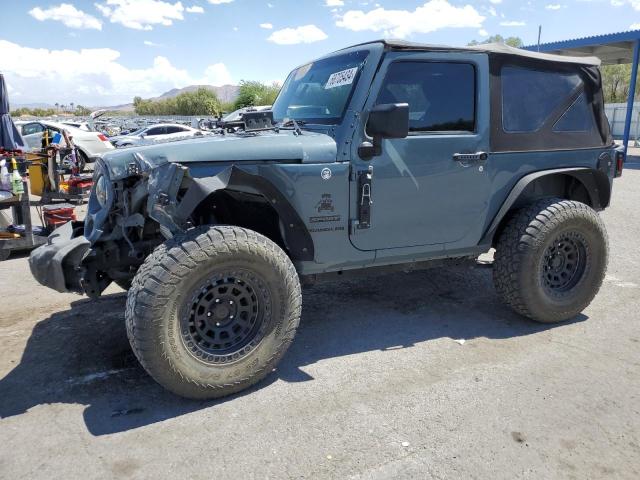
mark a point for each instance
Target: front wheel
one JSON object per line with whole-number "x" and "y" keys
{"x": 551, "y": 259}
{"x": 212, "y": 312}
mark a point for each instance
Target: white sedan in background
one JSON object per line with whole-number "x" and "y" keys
{"x": 91, "y": 145}
{"x": 155, "y": 133}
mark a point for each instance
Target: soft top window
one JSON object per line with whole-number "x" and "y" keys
{"x": 539, "y": 105}
{"x": 578, "y": 118}
{"x": 530, "y": 97}
{"x": 441, "y": 95}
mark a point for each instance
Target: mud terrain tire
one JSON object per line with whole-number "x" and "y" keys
{"x": 551, "y": 259}
{"x": 213, "y": 311}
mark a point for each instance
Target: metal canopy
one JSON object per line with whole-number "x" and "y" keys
{"x": 612, "y": 49}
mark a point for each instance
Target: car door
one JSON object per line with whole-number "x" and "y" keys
{"x": 432, "y": 187}
{"x": 32, "y": 134}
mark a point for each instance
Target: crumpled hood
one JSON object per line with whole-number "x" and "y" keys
{"x": 284, "y": 146}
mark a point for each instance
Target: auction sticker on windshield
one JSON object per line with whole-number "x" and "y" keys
{"x": 338, "y": 79}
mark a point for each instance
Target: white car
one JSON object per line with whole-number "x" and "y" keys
{"x": 155, "y": 133}
{"x": 81, "y": 125}
{"x": 91, "y": 145}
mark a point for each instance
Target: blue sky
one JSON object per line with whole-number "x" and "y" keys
{"x": 103, "y": 52}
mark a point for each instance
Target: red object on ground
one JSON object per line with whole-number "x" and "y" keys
{"x": 80, "y": 184}
{"x": 57, "y": 215}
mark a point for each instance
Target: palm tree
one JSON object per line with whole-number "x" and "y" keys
{"x": 57, "y": 106}
{"x": 71, "y": 106}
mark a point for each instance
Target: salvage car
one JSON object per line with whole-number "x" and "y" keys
{"x": 385, "y": 156}
{"x": 155, "y": 133}
{"x": 91, "y": 145}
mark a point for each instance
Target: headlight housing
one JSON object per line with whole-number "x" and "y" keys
{"x": 101, "y": 190}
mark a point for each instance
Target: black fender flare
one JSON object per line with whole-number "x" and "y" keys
{"x": 296, "y": 236}
{"x": 595, "y": 181}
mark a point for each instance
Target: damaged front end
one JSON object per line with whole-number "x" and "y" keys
{"x": 139, "y": 201}
{"x": 132, "y": 209}
{"x": 143, "y": 196}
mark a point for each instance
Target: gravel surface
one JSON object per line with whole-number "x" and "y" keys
{"x": 421, "y": 375}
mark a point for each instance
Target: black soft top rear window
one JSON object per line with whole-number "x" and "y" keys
{"x": 541, "y": 105}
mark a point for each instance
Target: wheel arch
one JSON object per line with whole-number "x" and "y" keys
{"x": 236, "y": 197}
{"x": 586, "y": 185}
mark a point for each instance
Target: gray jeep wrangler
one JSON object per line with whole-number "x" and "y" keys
{"x": 381, "y": 156}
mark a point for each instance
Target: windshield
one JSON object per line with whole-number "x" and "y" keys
{"x": 319, "y": 92}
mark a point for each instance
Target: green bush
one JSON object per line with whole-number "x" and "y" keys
{"x": 200, "y": 102}
{"x": 256, "y": 93}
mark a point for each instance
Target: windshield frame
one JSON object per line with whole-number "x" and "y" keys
{"x": 334, "y": 120}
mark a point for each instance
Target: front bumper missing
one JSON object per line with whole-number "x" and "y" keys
{"x": 57, "y": 264}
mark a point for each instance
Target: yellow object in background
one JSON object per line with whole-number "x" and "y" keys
{"x": 36, "y": 179}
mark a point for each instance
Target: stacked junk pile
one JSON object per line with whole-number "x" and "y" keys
{"x": 39, "y": 173}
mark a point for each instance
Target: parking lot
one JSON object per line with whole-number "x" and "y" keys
{"x": 421, "y": 375}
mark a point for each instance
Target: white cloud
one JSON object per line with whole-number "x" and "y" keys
{"x": 195, "y": 9}
{"x": 94, "y": 76}
{"x": 68, "y": 15}
{"x": 291, "y": 36}
{"x": 216, "y": 74}
{"x": 334, "y": 3}
{"x": 149, "y": 43}
{"x": 553, "y": 6}
{"x": 634, "y": 3}
{"x": 496, "y": 2}
{"x": 141, "y": 14}
{"x": 433, "y": 15}
{"x": 483, "y": 33}
{"x": 634, "y": 26}
{"x": 268, "y": 26}
{"x": 512, "y": 23}
{"x": 219, "y": 2}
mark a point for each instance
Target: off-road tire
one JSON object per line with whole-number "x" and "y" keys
{"x": 172, "y": 277}
{"x": 524, "y": 266}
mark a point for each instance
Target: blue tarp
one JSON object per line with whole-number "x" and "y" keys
{"x": 10, "y": 139}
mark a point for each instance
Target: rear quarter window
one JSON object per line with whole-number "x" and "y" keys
{"x": 530, "y": 97}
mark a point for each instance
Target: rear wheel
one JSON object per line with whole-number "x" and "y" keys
{"x": 551, "y": 259}
{"x": 213, "y": 311}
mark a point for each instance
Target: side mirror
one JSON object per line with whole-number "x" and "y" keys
{"x": 388, "y": 120}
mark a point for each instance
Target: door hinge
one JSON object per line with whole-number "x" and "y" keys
{"x": 365, "y": 199}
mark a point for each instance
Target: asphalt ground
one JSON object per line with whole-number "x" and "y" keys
{"x": 421, "y": 375}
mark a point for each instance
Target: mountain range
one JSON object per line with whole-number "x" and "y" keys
{"x": 225, "y": 93}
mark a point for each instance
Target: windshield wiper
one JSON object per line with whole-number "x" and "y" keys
{"x": 296, "y": 124}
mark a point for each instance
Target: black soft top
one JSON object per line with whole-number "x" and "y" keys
{"x": 546, "y": 137}
{"x": 490, "y": 48}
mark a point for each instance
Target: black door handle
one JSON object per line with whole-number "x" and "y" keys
{"x": 470, "y": 157}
